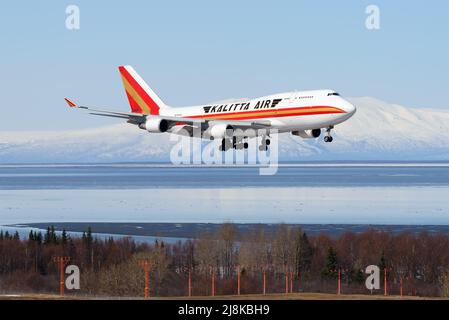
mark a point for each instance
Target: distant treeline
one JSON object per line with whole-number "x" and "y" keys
{"x": 289, "y": 259}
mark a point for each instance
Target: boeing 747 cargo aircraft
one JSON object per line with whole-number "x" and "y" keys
{"x": 303, "y": 113}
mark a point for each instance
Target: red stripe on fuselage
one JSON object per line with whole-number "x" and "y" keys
{"x": 297, "y": 111}
{"x": 278, "y": 115}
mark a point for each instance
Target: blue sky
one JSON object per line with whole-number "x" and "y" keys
{"x": 194, "y": 52}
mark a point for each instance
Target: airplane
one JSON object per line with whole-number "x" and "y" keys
{"x": 303, "y": 113}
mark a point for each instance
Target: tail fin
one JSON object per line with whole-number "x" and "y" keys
{"x": 141, "y": 98}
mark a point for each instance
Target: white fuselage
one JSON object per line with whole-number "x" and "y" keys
{"x": 290, "y": 111}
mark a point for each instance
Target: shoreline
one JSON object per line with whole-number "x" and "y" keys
{"x": 184, "y": 231}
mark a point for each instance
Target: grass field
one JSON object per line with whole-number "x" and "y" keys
{"x": 279, "y": 296}
{"x": 313, "y": 296}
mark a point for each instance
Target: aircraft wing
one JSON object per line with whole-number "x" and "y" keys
{"x": 138, "y": 118}
{"x": 134, "y": 118}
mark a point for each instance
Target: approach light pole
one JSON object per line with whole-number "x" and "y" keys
{"x": 212, "y": 281}
{"x": 238, "y": 280}
{"x": 61, "y": 262}
{"x": 264, "y": 281}
{"x": 190, "y": 282}
{"x": 145, "y": 265}
{"x": 291, "y": 281}
{"x": 385, "y": 282}
{"x": 339, "y": 273}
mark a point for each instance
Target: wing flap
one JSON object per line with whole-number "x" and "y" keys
{"x": 263, "y": 124}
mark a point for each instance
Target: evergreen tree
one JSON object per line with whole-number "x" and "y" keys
{"x": 53, "y": 236}
{"x": 47, "y": 237}
{"x": 303, "y": 252}
{"x": 359, "y": 276}
{"x": 38, "y": 237}
{"x": 382, "y": 265}
{"x": 72, "y": 247}
{"x": 89, "y": 238}
{"x": 88, "y": 244}
{"x": 64, "y": 238}
{"x": 331, "y": 268}
{"x": 16, "y": 236}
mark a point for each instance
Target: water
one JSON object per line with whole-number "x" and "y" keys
{"x": 311, "y": 193}
{"x": 122, "y": 176}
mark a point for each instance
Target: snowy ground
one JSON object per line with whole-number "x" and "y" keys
{"x": 354, "y": 205}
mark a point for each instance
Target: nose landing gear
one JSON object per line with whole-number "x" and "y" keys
{"x": 328, "y": 137}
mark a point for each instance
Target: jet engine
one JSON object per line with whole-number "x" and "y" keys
{"x": 221, "y": 130}
{"x": 154, "y": 125}
{"x": 307, "y": 134}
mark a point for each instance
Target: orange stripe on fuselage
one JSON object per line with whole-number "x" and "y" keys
{"x": 276, "y": 113}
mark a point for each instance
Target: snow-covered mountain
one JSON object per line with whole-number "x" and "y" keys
{"x": 378, "y": 131}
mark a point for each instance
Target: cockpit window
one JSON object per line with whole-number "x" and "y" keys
{"x": 333, "y": 94}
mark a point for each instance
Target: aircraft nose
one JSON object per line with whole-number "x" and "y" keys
{"x": 349, "y": 108}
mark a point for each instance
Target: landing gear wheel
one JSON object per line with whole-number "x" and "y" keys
{"x": 328, "y": 137}
{"x": 245, "y": 145}
{"x": 225, "y": 145}
{"x": 264, "y": 143}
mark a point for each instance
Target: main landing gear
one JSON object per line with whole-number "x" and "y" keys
{"x": 238, "y": 143}
{"x": 328, "y": 137}
{"x": 264, "y": 145}
{"x": 234, "y": 142}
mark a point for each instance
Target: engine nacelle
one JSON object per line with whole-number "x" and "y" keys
{"x": 220, "y": 131}
{"x": 154, "y": 125}
{"x": 307, "y": 134}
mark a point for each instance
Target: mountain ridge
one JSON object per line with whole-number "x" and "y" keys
{"x": 378, "y": 131}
